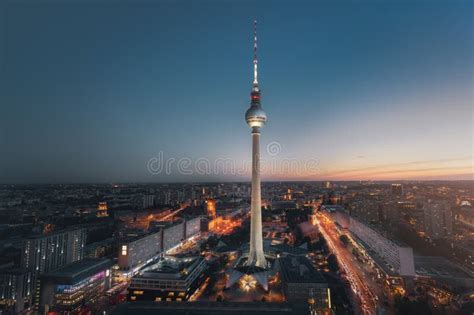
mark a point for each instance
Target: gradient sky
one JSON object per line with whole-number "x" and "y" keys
{"x": 92, "y": 90}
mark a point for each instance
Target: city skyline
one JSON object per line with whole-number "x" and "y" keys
{"x": 242, "y": 157}
{"x": 383, "y": 92}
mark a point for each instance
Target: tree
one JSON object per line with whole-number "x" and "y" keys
{"x": 332, "y": 263}
{"x": 344, "y": 239}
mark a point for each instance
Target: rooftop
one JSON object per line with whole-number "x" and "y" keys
{"x": 288, "y": 249}
{"x": 171, "y": 267}
{"x": 297, "y": 269}
{"x": 55, "y": 232}
{"x": 434, "y": 266}
{"x": 79, "y": 270}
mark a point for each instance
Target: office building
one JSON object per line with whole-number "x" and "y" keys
{"x": 211, "y": 208}
{"x": 102, "y": 210}
{"x": 389, "y": 254}
{"x": 148, "y": 201}
{"x": 16, "y": 290}
{"x": 342, "y": 218}
{"x": 438, "y": 219}
{"x": 397, "y": 190}
{"x": 44, "y": 253}
{"x": 302, "y": 283}
{"x": 170, "y": 279}
{"x": 136, "y": 251}
{"x": 192, "y": 226}
{"x": 173, "y": 234}
{"x": 72, "y": 287}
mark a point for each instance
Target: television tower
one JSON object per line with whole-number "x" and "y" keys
{"x": 256, "y": 118}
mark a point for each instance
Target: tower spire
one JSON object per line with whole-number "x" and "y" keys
{"x": 255, "y": 60}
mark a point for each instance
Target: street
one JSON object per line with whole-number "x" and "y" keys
{"x": 364, "y": 298}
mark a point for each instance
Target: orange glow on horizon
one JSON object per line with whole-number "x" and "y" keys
{"x": 459, "y": 168}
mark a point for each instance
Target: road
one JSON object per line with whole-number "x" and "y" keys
{"x": 367, "y": 300}
{"x": 173, "y": 213}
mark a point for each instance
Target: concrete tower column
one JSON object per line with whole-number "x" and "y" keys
{"x": 256, "y": 255}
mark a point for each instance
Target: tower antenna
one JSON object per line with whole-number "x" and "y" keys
{"x": 255, "y": 60}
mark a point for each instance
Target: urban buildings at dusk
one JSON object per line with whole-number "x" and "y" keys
{"x": 129, "y": 183}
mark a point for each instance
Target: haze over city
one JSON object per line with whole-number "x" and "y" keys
{"x": 371, "y": 90}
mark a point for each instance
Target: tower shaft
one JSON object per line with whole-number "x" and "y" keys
{"x": 256, "y": 254}
{"x": 256, "y": 118}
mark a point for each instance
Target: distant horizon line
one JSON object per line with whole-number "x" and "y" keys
{"x": 228, "y": 182}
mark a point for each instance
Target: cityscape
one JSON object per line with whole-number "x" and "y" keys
{"x": 164, "y": 157}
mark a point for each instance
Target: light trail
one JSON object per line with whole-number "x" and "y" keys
{"x": 368, "y": 301}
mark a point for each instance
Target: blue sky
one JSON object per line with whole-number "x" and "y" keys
{"x": 371, "y": 89}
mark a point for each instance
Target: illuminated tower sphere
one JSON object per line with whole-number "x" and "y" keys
{"x": 256, "y": 118}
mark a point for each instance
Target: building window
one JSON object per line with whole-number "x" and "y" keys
{"x": 124, "y": 250}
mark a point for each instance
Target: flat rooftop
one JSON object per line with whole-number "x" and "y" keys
{"x": 78, "y": 270}
{"x": 288, "y": 249}
{"x": 434, "y": 266}
{"x": 297, "y": 269}
{"x": 171, "y": 267}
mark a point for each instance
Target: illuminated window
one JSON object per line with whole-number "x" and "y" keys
{"x": 171, "y": 294}
{"x": 168, "y": 299}
{"x": 133, "y": 298}
{"x": 138, "y": 292}
{"x": 179, "y": 299}
{"x": 124, "y": 250}
{"x": 157, "y": 299}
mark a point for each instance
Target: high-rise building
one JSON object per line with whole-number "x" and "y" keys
{"x": 148, "y": 201}
{"x": 397, "y": 190}
{"x": 192, "y": 226}
{"x": 211, "y": 208}
{"x": 167, "y": 197}
{"x": 326, "y": 185}
{"x": 390, "y": 254}
{"x": 438, "y": 219}
{"x": 180, "y": 196}
{"x": 173, "y": 234}
{"x": 102, "y": 210}
{"x": 67, "y": 289}
{"x": 16, "y": 290}
{"x": 44, "y": 253}
{"x": 135, "y": 252}
{"x": 256, "y": 119}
